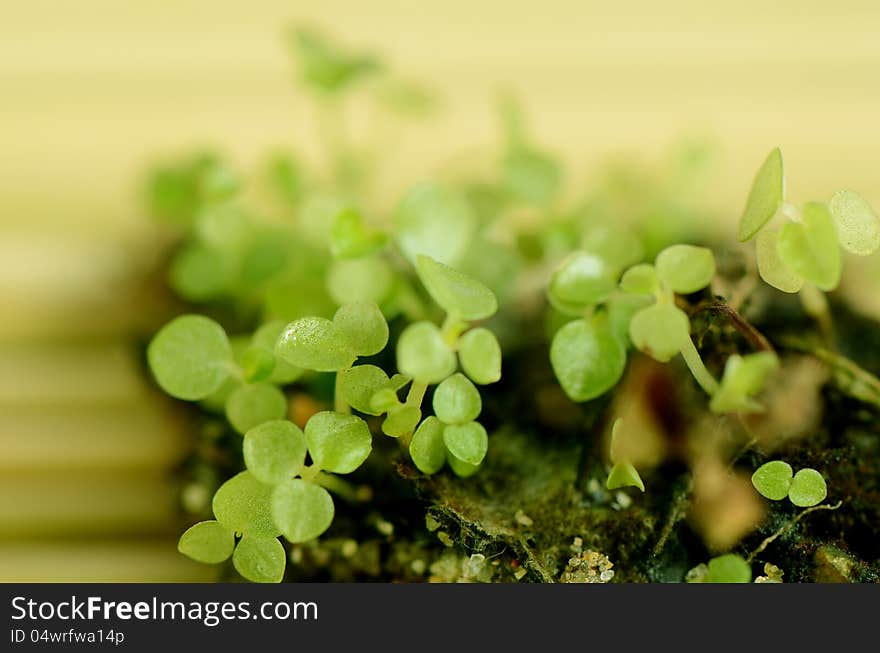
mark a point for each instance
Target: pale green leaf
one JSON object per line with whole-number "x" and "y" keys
{"x": 259, "y": 559}
{"x": 810, "y": 248}
{"x": 423, "y": 354}
{"x": 250, "y": 405}
{"x": 461, "y": 468}
{"x": 587, "y": 359}
{"x": 807, "y": 489}
{"x": 360, "y": 383}
{"x": 368, "y": 279}
{"x": 401, "y": 421}
{"x": 765, "y": 197}
{"x": 302, "y": 510}
{"x": 208, "y": 541}
{"x": 457, "y": 400}
{"x": 267, "y": 337}
{"x": 364, "y": 326}
{"x": 241, "y": 504}
{"x": 435, "y": 221}
{"x": 315, "y": 343}
{"x": 581, "y": 280}
{"x": 190, "y": 357}
{"x": 858, "y": 226}
{"x": 351, "y": 238}
{"x": 640, "y": 279}
{"x": 531, "y": 176}
{"x": 256, "y": 363}
{"x": 466, "y": 442}
{"x": 685, "y": 268}
{"x": 427, "y": 449}
{"x": 744, "y": 377}
{"x": 480, "y": 355}
{"x": 771, "y": 268}
{"x": 623, "y": 474}
{"x": 729, "y": 568}
{"x": 338, "y": 443}
{"x": 773, "y": 479}
{"x": 274, "y": 451}
{"x": 457, "y": 293}
{"x": 660, "y": 330}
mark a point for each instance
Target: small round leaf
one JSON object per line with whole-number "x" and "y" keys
{"x": 242, "y": 505}
{"x": 808, "y": 488}
{"x": 455, "y": 292}
{"x": 427, "y": 449}
{"x": 773, "y": 479}
{"x": 685, "y": 268}
{"x": 531, "y": 176}
{"x": 640, "y": 279}
{"x": 302, "y": 510}
{"x": 401, "y": 421}
{"x": 467, "y": 442}
{"x": 765, "y": 197}
{"x": 267, "y": 337}
{"x": 457, "y": 400}
{"x": 315, "y": 343}
{"x": 208, "y": 541}
{"x": 274, "y": 451}
{"x": 338, "y": 443}
{"x": 587, "y": 359}
{"x": 364, "y": 326}
{"x": 480, "y": 355}
{"x": 423, "y": 354}
{"x": 260, "y": 560}
{"x": 660, "y": 330}
{"x": 256, "y": 363}
{"x": 460, "y": 468}
{"x": 810, "y": 248}
{"x": 435, "y": 221}
{"x": 359, "y": 384}
{"x": 772, "y": 268}
{"x": 250, "y": 405}
{"x": 729, "y": 568}
{"x": 368, "y": 279}
{"x": 858, "y": 227}
{"x": 190, "y": 357}
{"x": 582, "y": 279}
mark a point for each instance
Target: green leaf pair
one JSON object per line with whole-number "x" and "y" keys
{"x": 259, "y": 559}
{"x": 775, "y": 480}
{"x": 316, "y": 343}
{"x": 463, "y": 446}
{"x": 807, "y": 247}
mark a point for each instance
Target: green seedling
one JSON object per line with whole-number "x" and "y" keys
{"x": 589, "y": 354}
{"x": 806, "y": 248}
{"x": 775, "y": 480}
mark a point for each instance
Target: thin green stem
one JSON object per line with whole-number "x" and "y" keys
{"x": 339, "y": 486}
{"x": 816, "y": 306}
{"x": 698, "y": 368}
{"x": 416, "y": 394}
{"x": 340, "y": 405}
{"x": 452, "y": 328}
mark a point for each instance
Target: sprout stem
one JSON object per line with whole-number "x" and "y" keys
{"x": 340, "y": 405}
{"x": 816, "y": 306}
{"x": 339, "y": 486}
{"x": 755, "y": 338}
{"x": 767, "y": 542}
{"x": 416, "y": 394}
{"x": 698, "y": 369}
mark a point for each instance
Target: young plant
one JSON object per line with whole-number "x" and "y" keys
{"x": 623, "y": 473}
{"x": 588, "y": 354}
{"x": 775, "y": 480}
{"x": 806, "y": 248}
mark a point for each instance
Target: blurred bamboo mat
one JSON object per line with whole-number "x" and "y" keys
{"x": 91, "y": 92}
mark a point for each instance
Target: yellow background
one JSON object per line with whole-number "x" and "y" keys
{"x": 92, "y": 91}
